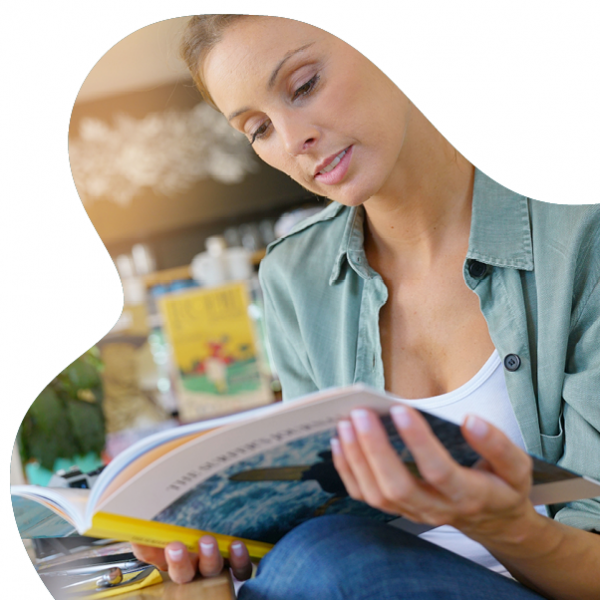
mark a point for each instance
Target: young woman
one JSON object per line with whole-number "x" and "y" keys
{"x": 429, "y": 280}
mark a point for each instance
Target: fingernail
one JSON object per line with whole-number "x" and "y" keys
{"x": 207, "y": 548}
{"x": 335, "y": 446}
{"x": 238, "y": 549}
{"x": 346, "y": 431}
{"x": 174, "y": 554}
{"x": 401, "y": 416}
{"x": 476, "y": 426}
{"x": 361, "y": 419}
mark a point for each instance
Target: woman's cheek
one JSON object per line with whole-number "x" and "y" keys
{"x": 290, "y": 167}
{"x": 269, "y": 150}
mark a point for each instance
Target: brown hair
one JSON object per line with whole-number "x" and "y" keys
{"x": 201, "y": 35}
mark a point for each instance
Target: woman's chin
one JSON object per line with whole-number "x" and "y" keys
{"x": 354, "y": 190}
{"x": 351, "y": 195}
{"x": 352, "y": 202}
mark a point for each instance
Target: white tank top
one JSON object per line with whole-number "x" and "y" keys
{"x": 487, "y": 397}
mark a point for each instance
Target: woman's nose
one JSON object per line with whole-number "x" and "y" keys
{"x": 298, "y": 137}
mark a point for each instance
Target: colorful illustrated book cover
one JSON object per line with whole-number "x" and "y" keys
{"x": 214, "y": 347}
{"x": 265, "y": 496}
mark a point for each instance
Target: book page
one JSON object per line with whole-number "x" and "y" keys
{"x": 38, "y": 520}
{"x": 144, "y": 461}
{"x": 161, "y": 484}
{"x": 149, "y": 443}
{"x": 68, "y": 504}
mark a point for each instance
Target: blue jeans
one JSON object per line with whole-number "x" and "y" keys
{"x": 341, "y": 557}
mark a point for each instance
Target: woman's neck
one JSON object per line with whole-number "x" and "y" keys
{"x": 424, "y": 210}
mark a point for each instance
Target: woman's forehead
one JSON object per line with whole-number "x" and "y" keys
{"x": 258, "y": 33}
{"x": 251, "y": 50}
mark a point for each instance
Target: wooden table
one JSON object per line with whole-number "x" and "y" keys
{"x": 214, "y": 588}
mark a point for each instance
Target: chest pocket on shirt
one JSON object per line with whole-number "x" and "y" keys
{"x": 553, "y": 445}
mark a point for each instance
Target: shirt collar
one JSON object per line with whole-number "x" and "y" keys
{"x": 500, "y": 226}
{"x": 500, "y": 231}
{"x": 352, "y": 245}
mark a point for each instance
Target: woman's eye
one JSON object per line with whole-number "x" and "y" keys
{"x": 260, "y": 131}
{"x": 306, "y": 89}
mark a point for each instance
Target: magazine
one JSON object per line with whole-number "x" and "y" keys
{"x": 252, "y": 476}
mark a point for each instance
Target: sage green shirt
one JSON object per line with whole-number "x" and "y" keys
{"x": 536, "y": 269}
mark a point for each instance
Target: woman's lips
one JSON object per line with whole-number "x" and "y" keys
{"x": 335, "y": 175}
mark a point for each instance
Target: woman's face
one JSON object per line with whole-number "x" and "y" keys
{"x": 311, "y": 105}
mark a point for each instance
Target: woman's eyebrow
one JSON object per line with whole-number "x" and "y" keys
{"x": 289, "y": 55}
{"x": 273, "y": 77}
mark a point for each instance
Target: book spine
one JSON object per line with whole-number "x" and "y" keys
{"x": 152, "y": 533}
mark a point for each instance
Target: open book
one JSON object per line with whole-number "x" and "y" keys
{"x": 252, "y": 476}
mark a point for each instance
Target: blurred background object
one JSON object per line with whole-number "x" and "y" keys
{"x": 155, "y": 165}
{"x": 185, "y": 209}
{"x": 167, "y": 152}
{"x": 65, "y": 425}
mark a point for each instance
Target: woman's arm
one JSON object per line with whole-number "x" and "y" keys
{"x": 490, "y": 504}
{"x": 556, "y": 560}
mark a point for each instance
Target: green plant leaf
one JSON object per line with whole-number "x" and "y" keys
{"x": 47, "y": 429}
{"x": 87, "y": 425}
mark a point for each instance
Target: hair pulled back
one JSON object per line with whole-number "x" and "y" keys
{"x": 201, "y": 35}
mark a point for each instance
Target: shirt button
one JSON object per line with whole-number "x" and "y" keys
{"x": 477, "y": 269}
{"x": 512, "y": 362}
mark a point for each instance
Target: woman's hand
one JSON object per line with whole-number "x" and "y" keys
{"x": 489, "y": 503}
{"x": 183, "y": 565}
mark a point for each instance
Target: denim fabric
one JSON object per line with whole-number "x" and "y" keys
{"x": 340, "y": 557}
{"x": 537, "y": 274}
